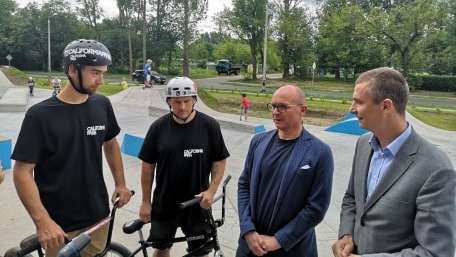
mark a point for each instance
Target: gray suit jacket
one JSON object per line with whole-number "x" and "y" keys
{"x": 412, "y": 210}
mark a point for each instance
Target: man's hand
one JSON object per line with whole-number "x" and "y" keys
{"x": 269, "y": 243}
{"x": 344, "y": 247}
{"x": 207, "y": 197}
{"x": 124, "y": 194}
{"x": 255, "y": 242}
{"x": 50, "y": 234}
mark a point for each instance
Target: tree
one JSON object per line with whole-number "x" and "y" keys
{"x": 91, "y": 11}
{"x": 9, "y": 22}
{"x": 401, "y": 29}
{"x": 451, "y": 36}
{"x": 342, "y": 40}
{"x": 233, "y": 50}
{"x": 294, "y": 35}
{"x": 126, "y": 9}
{"x": 246, "y": 22}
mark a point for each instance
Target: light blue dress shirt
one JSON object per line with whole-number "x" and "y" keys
{"x": 381, "y": 160}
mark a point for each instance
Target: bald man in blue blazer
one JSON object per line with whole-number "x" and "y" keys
{"x": 401, "y": 196}
{"x": 285, "y": 188}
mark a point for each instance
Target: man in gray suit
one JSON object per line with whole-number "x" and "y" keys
{"x": 401, "y": 197}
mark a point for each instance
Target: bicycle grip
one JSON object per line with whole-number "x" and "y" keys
{"x": 228, "y": 178}
{"x": 74, "y": 247}
{"x": 35, "y": 245}
{"x": 190, "y": 202}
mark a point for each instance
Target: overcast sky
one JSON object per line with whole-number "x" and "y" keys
{"x": 110, "y": 7}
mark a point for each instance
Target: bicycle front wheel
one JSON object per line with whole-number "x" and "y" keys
{"x": 117, "y": 250}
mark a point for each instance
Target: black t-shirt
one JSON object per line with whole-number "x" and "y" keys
{"x": 183, "y": 154}
{"x": 272, "y": 169}
{"x": 65, "y": 142}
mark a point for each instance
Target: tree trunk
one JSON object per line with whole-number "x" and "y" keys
{"x": 144, "y": 30}
{"x": 185, "y": 66}
{"x": 254, "y": 60}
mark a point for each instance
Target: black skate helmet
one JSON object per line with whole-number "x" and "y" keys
{"x": 83, "y": 52}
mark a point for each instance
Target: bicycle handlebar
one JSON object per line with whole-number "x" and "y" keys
{"x": 74, "y": 247}
{"x": 33, "y": 245}
{"x": 198, "y": 199}
{"x": 190, "y": 202}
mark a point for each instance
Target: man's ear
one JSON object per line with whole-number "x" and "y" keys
{"x": 387, "y": 104}
{"x": 71, "y": 69}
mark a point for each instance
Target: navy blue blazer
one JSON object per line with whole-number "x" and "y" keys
{"x": 302, "y": 200}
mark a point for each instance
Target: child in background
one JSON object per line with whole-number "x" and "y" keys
{"x": 124, "y": 84}
{"x": 245, "y": 105}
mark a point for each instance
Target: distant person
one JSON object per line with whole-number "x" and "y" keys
{"x": 58, "y": 170}
{"x": 31, "y": 85}
{"x": 56, "y": 84}
{"x": 245, "y": 106}
{"x": 285, "y": 188}
{"x": 184, "y": 156}
{"x": 148, "y": 74}
{"x": 2, "y": 173}
{"x": 124, "y": 84}
{"x": 401, "y": 196}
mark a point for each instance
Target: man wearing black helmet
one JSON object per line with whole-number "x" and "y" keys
{"x": 181, "y": 151}
{"x": 58, "y": 171}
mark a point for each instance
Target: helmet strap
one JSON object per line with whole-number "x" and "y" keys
{"x": 79, "y": 88}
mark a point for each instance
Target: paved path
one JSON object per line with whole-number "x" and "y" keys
{"x": 132, "y": 110}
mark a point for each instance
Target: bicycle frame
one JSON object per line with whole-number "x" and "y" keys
{"x": 136, "y": 226}
{"x": 72, "y": 248}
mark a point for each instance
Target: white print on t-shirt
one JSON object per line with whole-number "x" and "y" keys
{"x": 189, "y": 152}
{"x": 92, "y": 130}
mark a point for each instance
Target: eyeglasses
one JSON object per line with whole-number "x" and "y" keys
{"x": 281, "y": 107}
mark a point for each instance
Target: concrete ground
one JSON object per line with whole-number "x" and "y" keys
{"x": 134, "y": 113}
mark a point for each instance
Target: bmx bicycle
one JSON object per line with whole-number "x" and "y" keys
{"x": 31, "y": 244}
{"x": 130, "y": 227}
{"x": 56, "y": 90}
{"x": 211, "y": 236}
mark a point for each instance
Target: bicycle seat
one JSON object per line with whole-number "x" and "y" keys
{"x": 30, "y": 240}
{"x": 132, "y": 226}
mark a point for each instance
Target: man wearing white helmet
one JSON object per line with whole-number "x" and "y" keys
{"x": 58, "y": 171}
{"x": 185, "y": 147}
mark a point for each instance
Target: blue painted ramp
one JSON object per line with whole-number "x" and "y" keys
{"x": 5, "y": 153}
{"x": 131, "y": 145}
{"x": 348, "y": 125}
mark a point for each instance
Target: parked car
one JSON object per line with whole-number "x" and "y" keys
{"x": 138, "y": 75}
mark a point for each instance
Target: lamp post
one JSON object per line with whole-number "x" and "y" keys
{"x": 49, "y": 46}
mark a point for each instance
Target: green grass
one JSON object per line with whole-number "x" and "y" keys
{"x": 446, "y": 121}
{"x": 18, "y": 77}
{"x": 322, "y": 111}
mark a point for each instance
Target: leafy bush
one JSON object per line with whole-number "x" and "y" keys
{"x": 434, "y": 82}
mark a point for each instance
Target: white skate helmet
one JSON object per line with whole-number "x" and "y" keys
{"x": 180, "y": 87}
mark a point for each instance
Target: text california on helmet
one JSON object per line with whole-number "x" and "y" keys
{"x": 181, "y": 87}
{"x": 83, "y": 52}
